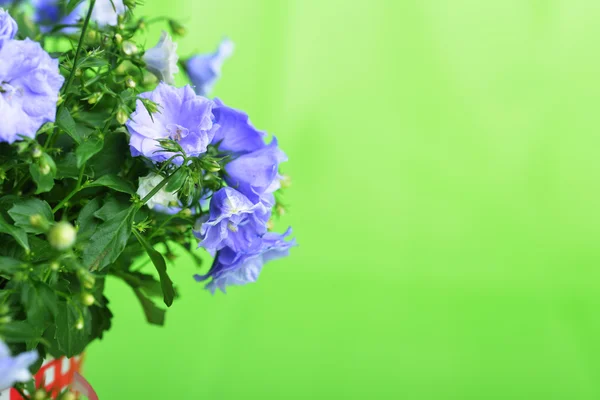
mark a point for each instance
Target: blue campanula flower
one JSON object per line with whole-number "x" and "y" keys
{"x": 205, "y": 69}
{"x": 14, "y": 369}
{"x": 49, "y": 12}
{"x": 8, "y": 27}
{"x": 234, "y": 132}
{"x": 29, "y": 86}
{"x": 238, "y": 268}
{"x": 106, "y": 12}
{"x": 182, "y": 116}
{"x": 162, "y": 59}
{"x": 233, "y": 221}
{"x": 256, "y": 174}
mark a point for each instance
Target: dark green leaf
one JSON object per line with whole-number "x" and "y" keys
{"x": 9, "y": 266}
{"x": 72, "y": 341}
{"x": 114, "y": 182}
{"x": 44, "y": 182}
{"x": 67, "y": 167}
{"x": 19, "y": 332}
{"x": 40, "y": 301}
{"x": 23, "y": 210}
{"x": 161, "y": 266}
{"x": 109, "y": 240}
{"x": 17, "y": 233}
{"x": 111, "y": 207}
{"x": 176, "y": 181}
{"x": 154, "y": 315}
{"x": 65, "y": 121}
{"x": 86, "y": 222}
{"x": 88, "y": 148}
{"x": 110, "y": 160}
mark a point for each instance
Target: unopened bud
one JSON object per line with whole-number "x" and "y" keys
{"x": 92, "y": 34}
{"x": 39, "y": 221}
{"x": 87, "y": 299}
{"x": 270, "y": 225}
{"x": 44, "y": 169}
{"x": 68, "y": 396}
{"x": 286, "y": 181}
{"x": 211, "y": 165}
{"x": 62, "y": 236}
{"x": 79, "y": 325}
{"x": 40, "y": 394}
{"x": 186, "y": 212}
{"x": 94, "y": 98}
{"x": 55, "y": 266}
{"x": 151, "y": 106}
{"x": 129, "y": 48}
{"x": 279, "y": 209}
{"x": 36, "y": 152}
{"x": 118, "y": 38}
{"x": 78, "y": 72}
{"x": 177, "y": 28}
{"x": 122, "y": 116}
{"x": 6, "y": 319}
{"x": 129, "y": 82}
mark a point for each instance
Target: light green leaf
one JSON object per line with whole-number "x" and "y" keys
{"x": 22, "y": 212}
{"x": 44, "y": 182}
{"x": 65, "y": 121}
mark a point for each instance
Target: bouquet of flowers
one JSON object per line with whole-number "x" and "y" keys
{"x": 103, "y": 161}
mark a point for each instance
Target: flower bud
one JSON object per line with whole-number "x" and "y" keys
{"x": 129, "y": 82}
{"x": 87, "y": 299}
{"x": 44, "y": 169}
{"x": 92, "y": 34}
{"x": 177, "y": 28}
{"x": 130, "y": 4}
{"x": 40, "y": 394}
{"x": 94, "y": 98}
{"x": 118, "y": 38}
{"x": 279, "y": 210}
{"x": 39, "y": 221}
{"x": 186, "y": 212}
{"x": 68, "y": 396}
{"x": 78, "y": 72}
{"x": 36, "y": 152}
{"x": 79, "y": 325}
{"x": 55, "y": 266}
{"x": 270, "y": 225}
{"x": 129, "y": 48}
{"x": 62, "y": 236}
{"x": 210, "y": 165}
{"x": 151, "y": 106}
{"x": 122, "y": 116}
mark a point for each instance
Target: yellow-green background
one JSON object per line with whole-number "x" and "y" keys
{"x": 446, "y": 177}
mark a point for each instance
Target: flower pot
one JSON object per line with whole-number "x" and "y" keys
{"x": 55, "y": 375}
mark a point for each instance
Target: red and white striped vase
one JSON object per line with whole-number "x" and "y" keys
{"x": 55, "y": 375}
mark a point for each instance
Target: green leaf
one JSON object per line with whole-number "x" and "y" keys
{"x": 22, "y": 211}
{"x": 110, "y": 160}
{"x": 72, "y": 341}
{"x": 86, "y": 222}
{"x": 9, "y": 265}
{"x": 88, "y": 148}
{"x": 109, "y": 240}
{"x": 44, "y": 182}
{"x": 67, "y": 167}
{"x": 154, "y": 315}
{"x": 114, "y": 182}
{"x": 17, "y": 233}
{"x": 176, "y": 180}
{"x": 161, "y": 266}
{"x": 40, "y": 301}
{"x": 19, "y": 332}
{"x": 111, "y": 207}
{"x": 65, "y": 121}
{"x": 92, "y": 62}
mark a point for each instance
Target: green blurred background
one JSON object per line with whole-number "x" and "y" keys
{"x": 445, "y": 198}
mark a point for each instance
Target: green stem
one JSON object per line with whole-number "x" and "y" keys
{"x": 157, "y": 188}
{"x": 76, "y": 190}
{"x": 79, "y": 46}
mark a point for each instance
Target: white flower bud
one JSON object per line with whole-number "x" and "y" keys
{"x": 62, "y": 236}
{"x": 162, "y": 198}
{"x": 162, "y": 59}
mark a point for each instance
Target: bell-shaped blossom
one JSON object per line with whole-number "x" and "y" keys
{"x": 162, "y": 59}
{"x": 182, "y": 116}
{"x": 234, "y": 132}
{"x": 29, "y": 86}
{"x": 205, "y": 69}
{"x": 256, "y": 174}
{"x": 8, "y": 27}
{"x": 106, "y": 12}
{"x": 233, "y": 221}
{"x": 238, "y": 268}
{"x": 48, "y": 13}
{"x": 14, "y": 369}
